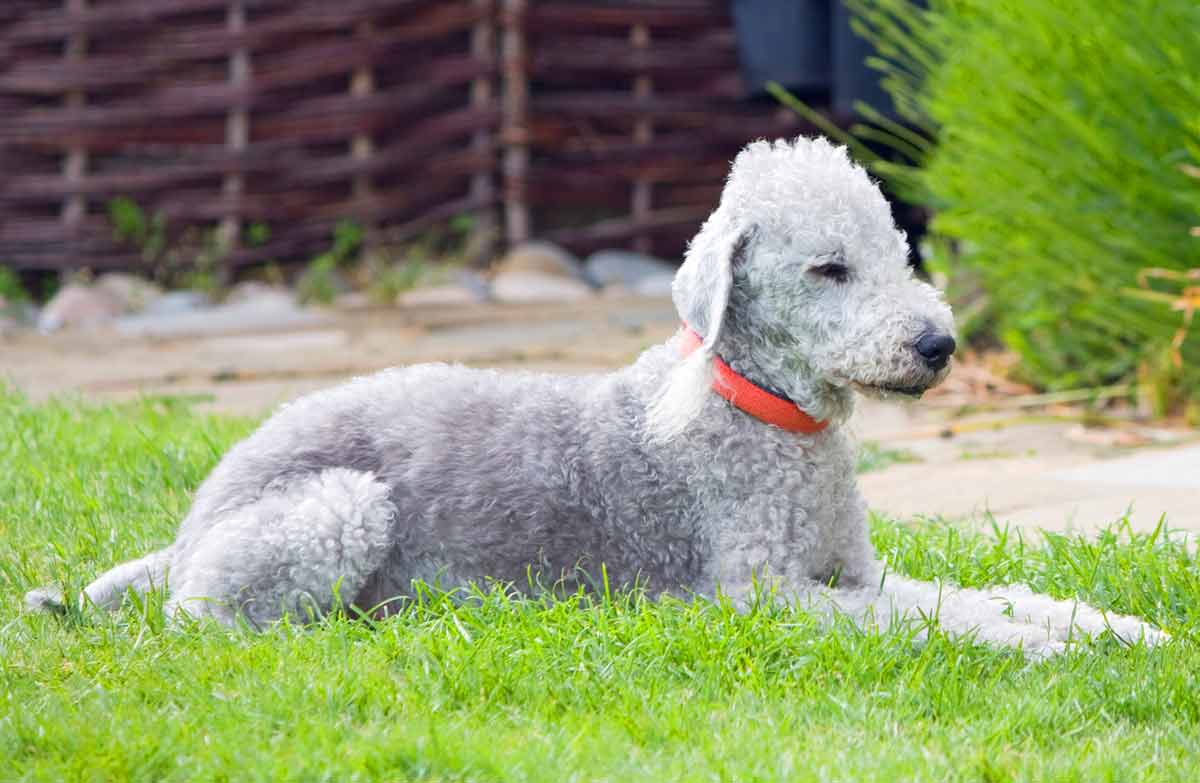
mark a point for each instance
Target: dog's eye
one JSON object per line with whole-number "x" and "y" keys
{"x": 834, "y": 270}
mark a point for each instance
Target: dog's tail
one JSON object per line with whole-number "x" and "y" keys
{"x": 107, "y": 592}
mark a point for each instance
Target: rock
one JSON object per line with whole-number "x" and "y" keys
{"x": 131, "y": 291}
{"x": 535, "y": 287}
{"x": 658, "y": 286}
{"x": 77, "y": 305}
{"x": 455, "y": 288}
{"x": 630, "y": 269}
{"x": 544, "y": 258}
{"x": 177, "y": 302}
{"x": 252, "y": 289}
{"x": 473, "y": 282}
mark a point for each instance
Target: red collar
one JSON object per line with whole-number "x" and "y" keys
{"x": 753, "y": 399}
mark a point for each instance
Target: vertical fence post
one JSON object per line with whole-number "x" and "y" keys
{"x": 515, "y": 122}
{"x": 643, "y": 133}
{"x": 482, "y": 190}
{"x": 74, "y": 167}
{"x": 362, "y": 145}
{"x": 237, "y": 135}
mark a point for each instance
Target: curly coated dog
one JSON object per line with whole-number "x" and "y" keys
{"x": 716, "y": 460}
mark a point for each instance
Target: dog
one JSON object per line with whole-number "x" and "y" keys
{"x": 716, "y": 461}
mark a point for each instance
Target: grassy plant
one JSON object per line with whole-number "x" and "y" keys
{"x": 11, "y": 289}
{"x": 319, "y": 280}
{"x": 872, "y": 456}
{"x": 586, "y": 687}
{"x": 387, "y": 278}
{"x": 1062, "y": 133}
{"x": 188, "y": 258}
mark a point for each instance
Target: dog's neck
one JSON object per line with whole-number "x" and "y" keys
{"x": 766, "y": 405}
{"x": 815, "y": 396}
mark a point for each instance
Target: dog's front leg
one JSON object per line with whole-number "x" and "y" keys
{"x": 1069, "y": 619}
{"x": 862, "y": 586}
{"x": 899, "y": 601}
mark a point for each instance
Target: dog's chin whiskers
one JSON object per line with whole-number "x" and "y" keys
{"x": 885, "y": 391}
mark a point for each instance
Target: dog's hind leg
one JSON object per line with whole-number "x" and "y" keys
{"x": 294, "y": 551}
{"x": 108, "y": 591}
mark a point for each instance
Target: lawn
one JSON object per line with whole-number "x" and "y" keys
{"x": 588, "y": 688}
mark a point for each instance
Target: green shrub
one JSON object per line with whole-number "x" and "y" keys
{"x": 319, "y": 282}
{"x": 191, "y": 257}
{"x": 11, "y": 289}
{"x": 1063, "y": 133}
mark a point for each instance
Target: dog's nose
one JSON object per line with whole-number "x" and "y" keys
{"x": 935, "y": 349}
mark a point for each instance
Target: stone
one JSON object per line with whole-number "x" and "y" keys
{"x": 77, "y": 305}
{"x": 609, "y": 267}
{"x": 177, "y": 302}
{"x": 473, "y": 282}
{"x": 448, "y": 288}
{"x": 252, "y": 289}
{"x": 656, "y": 286}
{"x": 535, "y": 287}
{"x": 134, "y": 293}
{"x": 544, "y": 258}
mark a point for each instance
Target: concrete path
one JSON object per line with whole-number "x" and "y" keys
{"x": 1022, "y": 466}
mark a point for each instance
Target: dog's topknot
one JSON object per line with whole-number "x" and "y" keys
{"x": 792, "y": 185}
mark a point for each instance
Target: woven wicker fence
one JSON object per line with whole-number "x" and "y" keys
{"x": 591, "y": 123}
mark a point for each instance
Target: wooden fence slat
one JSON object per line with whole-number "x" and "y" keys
{"x": 75, "y": 164}
{"x": 641, "y": 202}
{"x": 516, "y": 127}
{"x": 362, "y": 145}
{"x": 237, "y": 134}
{"x": 559, "y": 17}
{"x": 483, "y": 44}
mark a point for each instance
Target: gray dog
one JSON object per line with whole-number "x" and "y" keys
{"x": 716, "y": 459}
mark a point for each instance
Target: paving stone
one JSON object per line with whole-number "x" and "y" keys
{"x": 1174, "y": 468}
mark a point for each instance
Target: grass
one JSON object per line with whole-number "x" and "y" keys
{"x": 872, "y": 456}
{"x": 586, "y": 688}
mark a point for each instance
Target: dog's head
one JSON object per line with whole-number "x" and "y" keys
{"x": 801, "y": 277}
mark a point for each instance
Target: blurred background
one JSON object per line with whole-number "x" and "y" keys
{"x": 239, "y": 200}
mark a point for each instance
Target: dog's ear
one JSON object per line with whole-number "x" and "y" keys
{"x": 701, "y": 292}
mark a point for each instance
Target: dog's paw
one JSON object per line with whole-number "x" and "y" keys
{"x": 1131, "y": 630}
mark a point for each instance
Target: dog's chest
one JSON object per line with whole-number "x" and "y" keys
{"x": 782, "y": 506}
